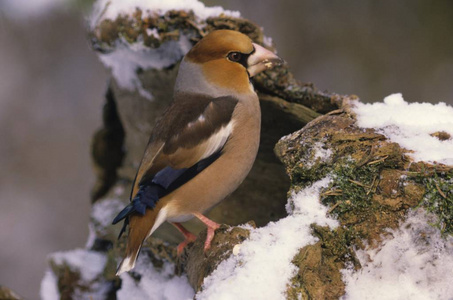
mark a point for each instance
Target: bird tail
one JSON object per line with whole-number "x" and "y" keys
{"x": 140, "y": 228}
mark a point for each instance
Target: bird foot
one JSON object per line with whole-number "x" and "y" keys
{"x": 183, "y": 244}
{"x": 189, "y": 237}
{"x": 212, "y": 227}
{"x": 210, "y": 236}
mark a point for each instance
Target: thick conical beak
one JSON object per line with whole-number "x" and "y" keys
{"x": 261, "y": 60}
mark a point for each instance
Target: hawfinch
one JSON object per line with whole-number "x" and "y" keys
{"x": 204, "y": 145}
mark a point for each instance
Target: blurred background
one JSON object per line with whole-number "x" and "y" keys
{"x": 52, "y": 86}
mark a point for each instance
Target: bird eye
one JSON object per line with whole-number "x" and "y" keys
{"x": 235, "y": 56}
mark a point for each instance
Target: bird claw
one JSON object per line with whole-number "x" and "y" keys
{"x": 182, "y": 245}
{"x": 210, "y": 235}
{"x": 189, "y": 237}
{"x": 212, "y": 227}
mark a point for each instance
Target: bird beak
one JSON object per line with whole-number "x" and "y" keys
{"x": 261, "y": 60}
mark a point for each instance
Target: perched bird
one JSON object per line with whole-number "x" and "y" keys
{"x": 204, "y": 145}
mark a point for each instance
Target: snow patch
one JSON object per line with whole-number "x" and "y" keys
{"x": 110, "y": 9}
{"x": 153, "y": 32}
{"x": 416, "y": 263}
{"x": 102, "y": 214}
{"x": 267, "y": 41}
{"x": 318, "y": 154}
{"x": 91, "y": 236}
{"x": 49, "y": 288}
{"x": 90, "y": 264}
{"x": 126, "y": 59}
{"x": 154, "y": 284}
{"x": 104, "y": 211}
{"x": 262, "y": 266}
{"x": 411, "y": 125}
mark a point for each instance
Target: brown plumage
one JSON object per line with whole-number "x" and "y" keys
{"x": 204, "y": 145}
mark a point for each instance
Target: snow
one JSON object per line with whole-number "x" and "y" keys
{"x": 416, "y": 263}
{"x": 321, "y": 153}
{"x": 102, "y": 213}
{"x": 91, "y": 239}
{"x": 105, "y": 210}
{"x": 410, "y": 125}
{"x": 49, "y": 287}
{"x": 317, "y": 154}
{"x": 261, "y": 267}
{"x": 267, "y": 41}
{"x": 90, "y": 263}
{"x": 110, "y": 9}
{"x": 154, "y": 284}
{"x": 126, "y": 59}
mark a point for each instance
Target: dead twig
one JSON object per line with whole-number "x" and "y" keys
{"x": 378, "y": 161}
{"x": 333, "y": 207}
{"x": 359, "y": 183}
{"x": 372, "y": 185}
{"x": 440, "y": 191}
{"x": 335, "y": 192}
{"x": 195, "y": 26}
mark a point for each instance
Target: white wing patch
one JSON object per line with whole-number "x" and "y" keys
{"x": 218, "y": 139}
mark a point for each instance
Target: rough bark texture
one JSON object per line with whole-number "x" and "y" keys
{"x": 368, "y": 194}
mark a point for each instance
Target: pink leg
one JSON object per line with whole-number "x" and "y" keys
{"x": 212, "y": 227}
{"x": 189, "y": 237}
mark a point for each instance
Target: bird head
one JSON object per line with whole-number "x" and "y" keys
{"x": 224, "y": 60}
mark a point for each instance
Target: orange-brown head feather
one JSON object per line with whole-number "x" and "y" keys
{"x": 218, "y": 44}
{"x": 212, "y": 54}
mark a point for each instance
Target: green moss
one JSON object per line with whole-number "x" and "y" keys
{"x": 352, "y": 187}
{"x": 438, "y": 198}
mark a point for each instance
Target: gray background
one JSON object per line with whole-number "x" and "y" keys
{"x": 52, "y": 85}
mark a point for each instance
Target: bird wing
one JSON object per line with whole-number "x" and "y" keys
{"x": 188, "y": 138}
